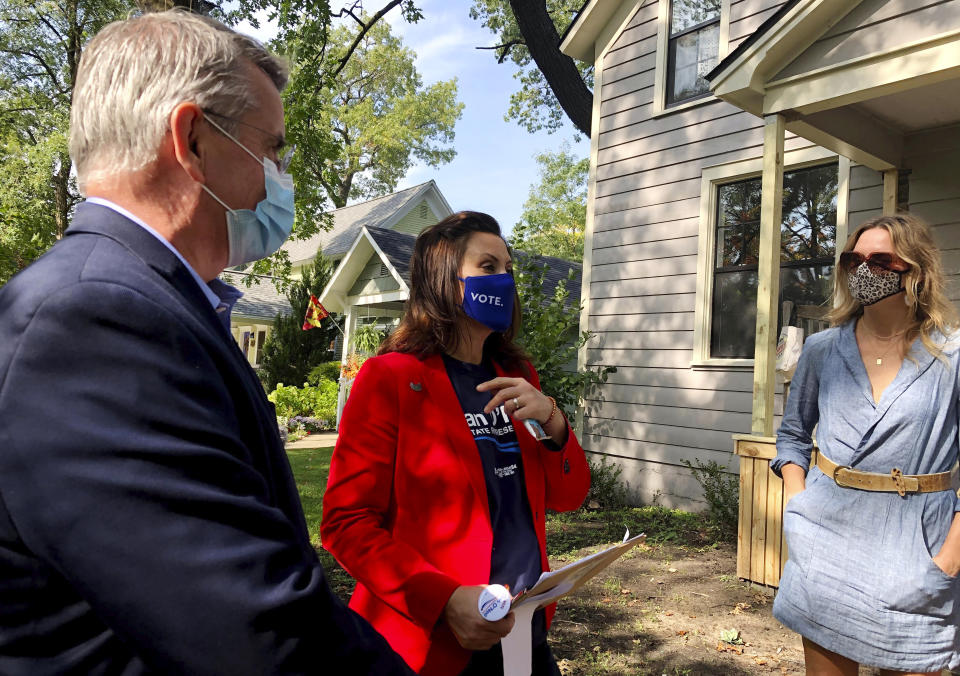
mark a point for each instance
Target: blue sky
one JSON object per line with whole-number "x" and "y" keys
{"x": 494, "y": 167}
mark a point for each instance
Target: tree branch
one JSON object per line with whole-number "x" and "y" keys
{"x": 365, "y": 27}
{"x": 49, "y": 25}
{"x": 349, "y": 12}
{"x": 506, "y": 47}
{"x": 17, "y": 110}
{"x": 43, "y": 64}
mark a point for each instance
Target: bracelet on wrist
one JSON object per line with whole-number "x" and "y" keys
{"x": 553, "y": 412}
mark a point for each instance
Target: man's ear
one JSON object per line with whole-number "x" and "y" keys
{"x": 186, "y": 128}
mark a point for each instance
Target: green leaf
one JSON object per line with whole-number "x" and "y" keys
{"x": 731, "y": 636}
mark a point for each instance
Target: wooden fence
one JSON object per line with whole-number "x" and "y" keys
{"x": 761, "y": 551}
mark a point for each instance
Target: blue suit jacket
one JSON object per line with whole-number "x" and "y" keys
{"x": 149, "y": 521}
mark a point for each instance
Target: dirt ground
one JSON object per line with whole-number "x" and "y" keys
{"x": 661, "y": 610}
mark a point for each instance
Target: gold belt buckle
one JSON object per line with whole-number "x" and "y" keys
{"x": 837, "y": 480}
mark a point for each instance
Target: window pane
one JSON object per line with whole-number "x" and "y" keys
{"x": 691, "y": 57}
{"x": 261, "y": 339}
{"x": 687, "y": 13}
{"x": 734, "y": 314}
{"x": 809, "y": 226}
{"x": 807, "y": 285}
{"x": 808, "y": 233}
{"x": 738, "y": 223}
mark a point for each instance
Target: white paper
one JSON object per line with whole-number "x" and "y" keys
{"x": 517, "y": 645}
{"x": 552, "y": 585}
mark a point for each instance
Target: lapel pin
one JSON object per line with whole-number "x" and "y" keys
{"x": 416, "y": 387}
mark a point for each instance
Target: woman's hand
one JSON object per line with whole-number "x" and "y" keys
{"x": 468, "y": 625}
{"x": 523, "y": 401}
{"x": 948, "y": 558}
{"x": 794, "y": 480}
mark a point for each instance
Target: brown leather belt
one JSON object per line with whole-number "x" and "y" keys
{"x": 895, "y": 482}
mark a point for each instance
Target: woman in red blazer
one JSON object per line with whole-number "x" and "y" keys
{"x": 434, "y": 492}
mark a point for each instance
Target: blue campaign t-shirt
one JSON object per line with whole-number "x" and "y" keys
{"x": 515, "y": 560}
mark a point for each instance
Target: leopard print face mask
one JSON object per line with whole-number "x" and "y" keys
{"x": 868, "y": 287}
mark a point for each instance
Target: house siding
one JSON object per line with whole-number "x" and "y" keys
{"x": 419, "y": 217}
{"x": 657, "y": 411}
{"x": 874, "y": 27}
{"x": 746, "y": 16}
{"x": 371, "y": 281}
{"x": 935, "y": 194}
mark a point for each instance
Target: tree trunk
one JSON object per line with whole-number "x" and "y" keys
{"x": 343, "y": 191}
{"x": 542, "y": 39}
{"x": 61, "y": 194}
{"x": 63, "y": 200}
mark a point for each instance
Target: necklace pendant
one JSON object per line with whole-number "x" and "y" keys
{"x": 879, "y": 361}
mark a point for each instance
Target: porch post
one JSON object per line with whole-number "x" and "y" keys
{"x": 349, "y": 327}
{"x": 768, "y": 275}
{"x": 890, "y": 179}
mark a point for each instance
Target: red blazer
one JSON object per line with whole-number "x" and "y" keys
{"x": 405, "y": 511}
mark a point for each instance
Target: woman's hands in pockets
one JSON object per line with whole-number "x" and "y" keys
{"x": 523, "y": 401}
{"x": 794, "y": 480}
{"x": 468, "y": 625}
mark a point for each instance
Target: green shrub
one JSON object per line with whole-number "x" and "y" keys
{"x": 328, "y": 370}
{"x": 313, "y": 401}
{"x": 722, "y": 493}
{"x": 606, "y": 487}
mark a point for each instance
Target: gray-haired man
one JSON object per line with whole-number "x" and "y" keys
{"x": 149, "y": 521}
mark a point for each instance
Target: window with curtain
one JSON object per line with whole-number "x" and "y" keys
{"x": 808, "y": 231}
{"x": 693, "y": 48}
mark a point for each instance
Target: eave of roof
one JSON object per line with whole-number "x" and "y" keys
{"x": 770, "y": 22}
{"x": 580, "y": 36}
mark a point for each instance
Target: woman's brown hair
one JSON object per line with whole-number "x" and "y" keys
{"x": 923, "y": 282}
{"x": 434, "y": 318}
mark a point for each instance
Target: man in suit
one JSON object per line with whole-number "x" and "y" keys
{"x": 149, "y": 522}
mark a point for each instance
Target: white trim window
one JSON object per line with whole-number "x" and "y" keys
{"x": 729, "y": 243}
{"x": 693, "y": 48}
{"x": 692, "y": 38}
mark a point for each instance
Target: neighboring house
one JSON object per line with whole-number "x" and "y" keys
{"x": 409, "y": 210}
{"x": 734, "y": 144}
{"x": 373, "y": 281}
{"x": 406, "y": 211}
{"x": 252, "y": 317}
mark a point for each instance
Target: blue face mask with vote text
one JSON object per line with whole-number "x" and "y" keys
{"x": 255, "y": 234}
{"x": 489, "y": 299}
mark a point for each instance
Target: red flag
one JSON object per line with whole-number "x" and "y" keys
{"x": 315, "y": 312}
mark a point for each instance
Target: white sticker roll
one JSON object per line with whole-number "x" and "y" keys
{"x": 494, "y": 602}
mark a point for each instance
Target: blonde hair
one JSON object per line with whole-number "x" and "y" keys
{"x": 135, "y": 72}
{"x": 923, "y": 282}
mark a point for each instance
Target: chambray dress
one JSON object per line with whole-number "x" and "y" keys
{"x": 860, "y": 580}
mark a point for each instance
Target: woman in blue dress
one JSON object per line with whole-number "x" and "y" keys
{"x": 871, "y": 530}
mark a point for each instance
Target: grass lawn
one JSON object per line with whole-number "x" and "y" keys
{"x": 310, "y": 468}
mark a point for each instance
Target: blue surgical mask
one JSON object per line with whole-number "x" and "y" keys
{"x": 489, "y": 299}
{"x": 255, "y": 234}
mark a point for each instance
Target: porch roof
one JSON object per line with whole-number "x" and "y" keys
{"x": 855, "y": 77}
{"x": 390, "y": 246}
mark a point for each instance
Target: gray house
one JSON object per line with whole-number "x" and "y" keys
{"x": 734, "y": 144}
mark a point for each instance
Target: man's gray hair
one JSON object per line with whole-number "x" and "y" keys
{"x": 135, "y": 72}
